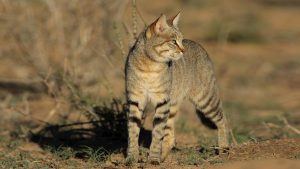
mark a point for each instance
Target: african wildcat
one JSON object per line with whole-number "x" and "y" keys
{"x": 164, "y": 68}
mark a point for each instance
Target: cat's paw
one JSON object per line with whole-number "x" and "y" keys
{"x": 165, "y": 152}
{"x": 154, "y": 161}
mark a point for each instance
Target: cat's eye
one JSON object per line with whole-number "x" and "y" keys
{"x": 174, "y": 41}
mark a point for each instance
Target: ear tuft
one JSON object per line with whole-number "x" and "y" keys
{"x": 161, "y": 24}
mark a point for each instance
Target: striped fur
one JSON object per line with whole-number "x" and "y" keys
{"x": 165, "y": 69}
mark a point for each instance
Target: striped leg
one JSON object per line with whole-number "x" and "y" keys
{"x": 162, "y": 111}
{"x": 134, "y": 125}
{"x": 210, "y": 105}
{"x": 169, "y": 138}
{"x": 218, "y": 118}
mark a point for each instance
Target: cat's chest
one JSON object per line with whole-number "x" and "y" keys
{"x": 151, "y": 80}
{"x": 147, "y": 74}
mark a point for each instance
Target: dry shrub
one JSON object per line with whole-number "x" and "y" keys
{"x": 58, "y": 39}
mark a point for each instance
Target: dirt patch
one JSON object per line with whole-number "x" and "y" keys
{"x": 281, "y": 153}
{"x": 266, "y": 164}
{"x": 283, "y": 148}
{"x": 78, "y": 50}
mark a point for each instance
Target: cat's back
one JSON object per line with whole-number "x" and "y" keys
{"x": 192, "y": 69}
{"x": 194, "y": 60}
{"x": 195, "y": 52}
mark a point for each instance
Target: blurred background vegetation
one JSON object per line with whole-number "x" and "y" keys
{"x": 62, "y": 62}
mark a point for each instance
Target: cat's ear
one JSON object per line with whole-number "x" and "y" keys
{"x": 157, "y": 27}
{"x": 175, "y": 20}
{"x": 160, "y": 25}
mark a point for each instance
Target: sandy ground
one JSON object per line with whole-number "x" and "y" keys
{"x": 77, "y": 50}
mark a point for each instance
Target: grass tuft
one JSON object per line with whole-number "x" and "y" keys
{"x": 94, "y": 155}
{"x": 62, "y": 153}
{"x": 192, "y": 157}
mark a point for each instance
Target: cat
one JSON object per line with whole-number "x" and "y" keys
{"x": 163, "y": 68}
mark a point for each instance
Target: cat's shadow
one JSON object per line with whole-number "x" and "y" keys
{"x": 106, "y": 135}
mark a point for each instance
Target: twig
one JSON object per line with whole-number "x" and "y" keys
{"x": 131, "y": 37}
{"x": 120, "y": 41}
{"x": 233, "y": 137}
{"x": 287, "y": 125}
{"x": 271, "y": 125}
{"x": 104, "y": 56}
{"x": 140, "y": 15}
{"x": 52, "y": 111}
{"x": 134, "y": 19}
{"x": 50, "y": 114}
{"x": 24, "y": 114}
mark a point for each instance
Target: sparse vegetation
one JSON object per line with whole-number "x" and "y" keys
{"x": 62, "y": 153}
{"x": 62, "y": 88}
{"x": 192, "y": 158}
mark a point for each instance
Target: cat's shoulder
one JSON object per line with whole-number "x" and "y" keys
{"x": 192, "y": 45}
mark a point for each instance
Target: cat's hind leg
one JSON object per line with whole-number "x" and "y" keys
{"x": 209, "y": 106}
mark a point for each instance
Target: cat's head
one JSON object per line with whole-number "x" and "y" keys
{"x": 164, "y": 40}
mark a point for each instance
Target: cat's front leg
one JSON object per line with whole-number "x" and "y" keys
{"x": 135, "y": 113}
{"x": 161, "y": 115}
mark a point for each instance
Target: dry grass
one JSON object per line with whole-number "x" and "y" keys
{"x": 62, "y": 92}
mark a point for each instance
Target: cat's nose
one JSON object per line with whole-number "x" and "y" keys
{"x": 181, "y": 48}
